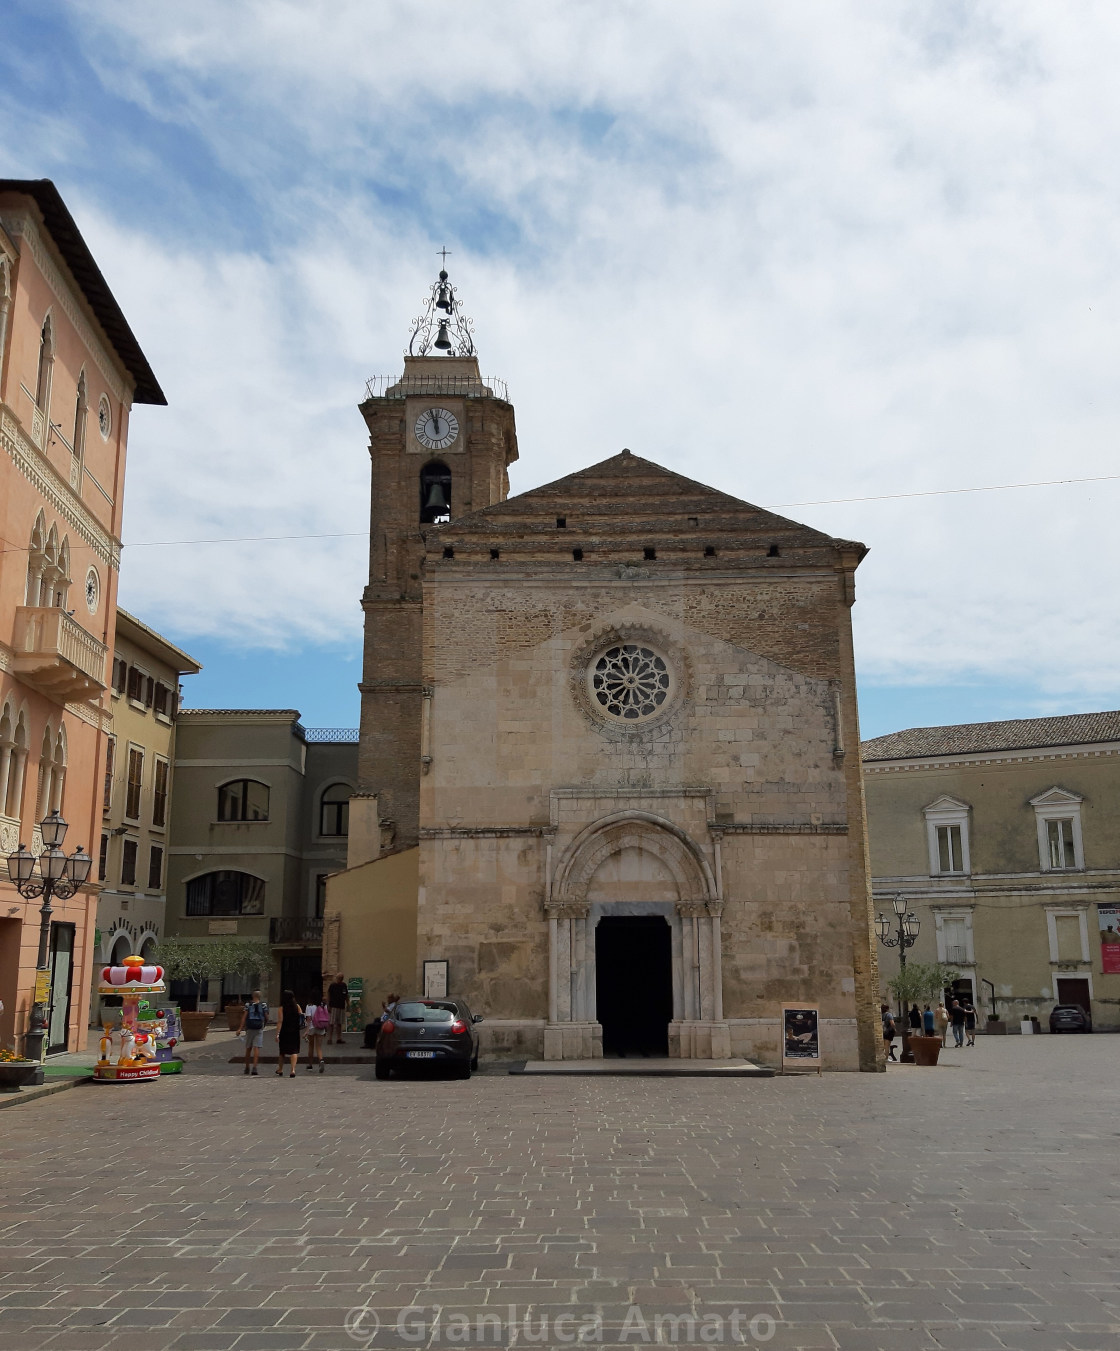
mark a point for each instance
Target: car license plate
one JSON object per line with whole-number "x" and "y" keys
{"x": 420, "y": 1055}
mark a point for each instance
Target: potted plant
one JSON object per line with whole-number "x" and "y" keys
{"x": 16, "y": 1071}
{"x": 202, "y": 959}
{"x": 921, "y": 983}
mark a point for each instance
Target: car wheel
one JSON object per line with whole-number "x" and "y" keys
{"x": 474, "y": 1061}
{"x": 463, "y": 1071}
{"x": 381, "y": 1070}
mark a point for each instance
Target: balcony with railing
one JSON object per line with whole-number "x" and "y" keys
{"x": 295, "y": 931}
{"x": 450, "y": 383}
{"x": 53, "y": 653}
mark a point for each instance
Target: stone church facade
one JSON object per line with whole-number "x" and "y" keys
{"x": 609, "y": 754}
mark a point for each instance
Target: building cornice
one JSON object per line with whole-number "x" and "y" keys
{"x": 1030, "y": 756}
{"x": 23, "y": 224}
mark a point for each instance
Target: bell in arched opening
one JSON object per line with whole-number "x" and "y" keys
{"x": 435, "y": 493}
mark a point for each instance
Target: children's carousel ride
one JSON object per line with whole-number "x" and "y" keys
{"x": 147, "y": 1035}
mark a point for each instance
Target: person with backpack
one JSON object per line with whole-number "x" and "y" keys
{"x": 254, "y": 1020}
{"x": 316, "y": 1021}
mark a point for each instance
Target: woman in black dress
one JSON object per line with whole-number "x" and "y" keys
{"x": 288, "y": 1027}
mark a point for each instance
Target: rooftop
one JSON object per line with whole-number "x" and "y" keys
{"x": 67, "y": 238}
{"x": 971, "y": 738}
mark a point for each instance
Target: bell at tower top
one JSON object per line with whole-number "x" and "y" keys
{"x": 441, "y": 357}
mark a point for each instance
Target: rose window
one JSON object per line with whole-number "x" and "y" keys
{"x": 630, "y": 682}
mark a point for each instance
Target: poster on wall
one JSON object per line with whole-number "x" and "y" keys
{"x": 801, "y": 1045}
{"x": 1108, "y": 917}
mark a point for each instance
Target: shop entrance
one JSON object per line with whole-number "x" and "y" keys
{"x": 1074, "y": 990}
{"x": 634, "y": 984}
{"x": 62, "y": 977}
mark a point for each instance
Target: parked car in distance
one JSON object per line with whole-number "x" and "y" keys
{"x": 421, "y": 1032}
{"x": 1070, "y": 1018}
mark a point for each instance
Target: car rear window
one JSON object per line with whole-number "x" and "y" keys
{"x": 414, "y": 1012}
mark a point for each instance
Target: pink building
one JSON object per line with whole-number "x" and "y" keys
{"x": 70, "y": 371}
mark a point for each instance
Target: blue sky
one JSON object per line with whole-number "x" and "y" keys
{"x": 803, "y": 253}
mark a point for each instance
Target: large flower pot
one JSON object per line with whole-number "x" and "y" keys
{"x": 195, "y": 1025}
{"x": 926, "y": 1049}
{"x": 234, "y": 1014}
{"x": 16, "y": 1074}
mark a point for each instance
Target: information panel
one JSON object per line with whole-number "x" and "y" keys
{"x": 801, "y": 1043}
{"x": 435, "y": 980}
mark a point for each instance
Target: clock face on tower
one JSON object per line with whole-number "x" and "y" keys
{"x": 436, "y": 428}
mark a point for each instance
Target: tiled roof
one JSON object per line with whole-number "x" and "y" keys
{"x": 969, "y": 738}
{"x": 68, "y": 239}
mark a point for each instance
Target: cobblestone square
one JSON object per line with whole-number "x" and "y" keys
{"x": 968, "y": 1208}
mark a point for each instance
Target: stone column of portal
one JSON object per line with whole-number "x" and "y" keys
{"x": 571, "y": 1033}
{"x": 702, "y": 1033}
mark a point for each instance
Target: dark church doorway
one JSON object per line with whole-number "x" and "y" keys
{"x": 634, "y": 984}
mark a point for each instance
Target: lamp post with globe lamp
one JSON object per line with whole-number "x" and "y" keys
{"x": 903, "y": 936}
{"x": 58, "y": 875}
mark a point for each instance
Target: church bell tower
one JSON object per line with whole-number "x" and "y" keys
{"x": 441, "y": 440}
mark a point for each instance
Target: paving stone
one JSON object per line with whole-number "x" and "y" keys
{"x": 840, "y": 1207}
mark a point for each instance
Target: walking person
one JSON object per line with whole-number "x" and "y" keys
{"x": 338, "y": 997}
{"x": 928, "y": 1022}
{"x": 288, "y": 1029}
{"x": 941, "y": 1018}
{"x": 957, "y": 1018}
{"x": 914, "y": 1018}
{"x": 969, "y": 1023}
{"x": 889, "y": 1030}
{"x": 316, "y": 1021}
{"x": 254, "y": 1020}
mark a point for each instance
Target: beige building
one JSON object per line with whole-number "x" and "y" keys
{"x": 1004, "y": 839}
{"x": 608, "y": 764}
{"x": 261, "y": 818}
{"x": 132, "y": 859}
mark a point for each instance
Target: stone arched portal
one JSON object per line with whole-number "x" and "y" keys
{"x": 634, "y": 864}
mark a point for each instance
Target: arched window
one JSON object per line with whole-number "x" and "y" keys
{"x": 46, "y": 767}
{"x": 58, "y": 772}
{"x": 225, "y": 893}
{"x": 36, "y": 560}
{"x": 46, "y": 366}
{"x": 80, "y": 404}
{"x": 435, "y": 493}
{"x": 243, "y": 800}
{"x": 334, "y": 810}
{"x": 5, "y": 304}
{"x": 61, "y": 583}
{"x": 13, "y": 762}
{"x": 48, "y": 567}
{"x": 7, "y": 754}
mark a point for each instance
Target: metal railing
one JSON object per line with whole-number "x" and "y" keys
{"x": 298, "y": 929}
{"x": 347, "y": 734}
{"x": 469, "y": 386}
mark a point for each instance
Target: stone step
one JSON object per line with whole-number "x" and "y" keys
{"x": 652, "y": 1066}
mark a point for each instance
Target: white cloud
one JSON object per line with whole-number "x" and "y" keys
{"x": 797, "y": 252}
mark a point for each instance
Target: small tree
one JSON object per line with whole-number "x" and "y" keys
{"x": 921, "y": 982}
{"x": 202, "y": 959}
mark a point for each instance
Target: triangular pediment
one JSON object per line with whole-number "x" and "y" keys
{"x": 628, "y": 496}
{"x": 1056, "y": 797}
{"x": 945, "y": 803}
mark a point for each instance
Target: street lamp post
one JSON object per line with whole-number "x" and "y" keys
{"x": 59, "y": 875}
{"x": 904, "y": 936}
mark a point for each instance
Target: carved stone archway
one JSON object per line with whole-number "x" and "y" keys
{"x": 634, "y": 863}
